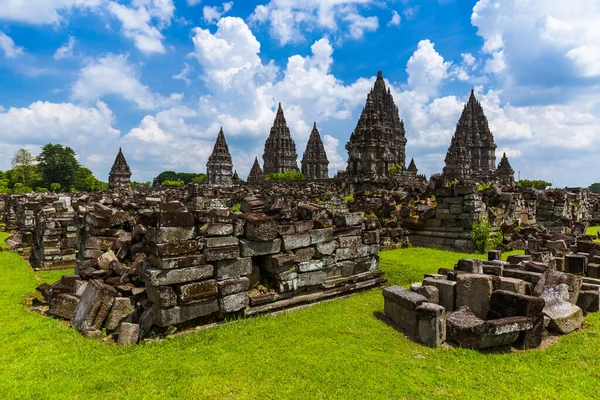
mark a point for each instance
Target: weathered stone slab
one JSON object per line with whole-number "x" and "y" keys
{"x": 321, "y": 235}
{"x": 128, "y": 334}
{"x": 471, "y": 265}
{"x": 554, "y": 278}
{"x": 326, "y": 248}
{"x": 515, "y": 285}
{"x": 94, "y": 306}
{"x": 509, "y": 304}
{"x": 431, "y": 324}
{"x": 260, "y": 227}
{"x": 170, "y": 234}
{"x": 305, "y": 254}
{"x": 163, "y": 296}
{"x": 279, "y": 262}
{"x": 447, "y": 292}
{"x": 157, "y": 277}
{"x": 515, "y": 259}
{"x": 232, "y": 269}
{"x": 224, "y": 241}
{"x": 222, "y": 253}
{"x": 304, "y": 226}
{"x": 296, "y": 241}
{"x": 178, "y": 314}
{"x": 233, "y": 302}
{"x": 196, "y": 291}
{"x": 173, "y": 249}
{"x": 576, "y": 264}
{"x": 349, "y": 219}
{"x": 474, "y": 291}
{"x": 252, "y": 249}
{"x": 177, "y": 262}
{"x": 64, "y": 306}
{"x": 232, "y": 286}
{"x": 121, "y": 308}
{"x": 352, "y": 252}
{"x": 565, "y": 317}
{"x": 400, "y": 307}
{"x": 371, "y": 237}
{"x": 216, "y": 229}
{"x": 310, "y": 266}
{"x": 431, "y": 293}
{"x": 350, "y": 241}
{"x": 174, "y": 218}
{"x": 105, "y": 259}
{"x": 312, "y": 278}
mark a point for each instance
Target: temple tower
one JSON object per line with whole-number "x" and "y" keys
{"x": 379, "y": 139}
{"x": 412, "y": 167}
{"x": 219, "y": 166}
{"x": 505, "y": 175}
{"x": 256, "y": 173}
{"x": 472, "y": 152}
{"x": 314, "y": 161}
{"x": 280, "y": 150}
{"x": 120, "y": 174}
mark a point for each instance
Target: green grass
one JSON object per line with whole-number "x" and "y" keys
{"x": 593, "y": 231}
{"x": 335, "y": 350}
{"x": 3, "y": 237}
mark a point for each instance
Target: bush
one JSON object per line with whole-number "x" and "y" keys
{"x": 480, "y": 235}
{"x": 285, "y": 176}
{"x": 200, "y": 179}
{"x": 535, "y": 184}
{"x": 395, "y": 169}
{"x": 168, "y": 183}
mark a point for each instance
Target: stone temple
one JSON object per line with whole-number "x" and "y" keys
{"x": 472, "y": 152}
{"x": 280, "y": 150}
{"x": 379, "y": 139}
{"x": 505, "y": 175}
{"x": 314, "y": 161}
{"x": 120, "y": 174}
{"x": 256, "y": 173}
{"x": 219, "y": 166}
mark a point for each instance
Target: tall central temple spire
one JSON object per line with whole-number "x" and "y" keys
{"x": 219, "y": 165}
{"x": 379, "y": 139}
{"x": 120, "y": 173}
{"x": 280, "y": 150}
{"x": 472, "y": 151}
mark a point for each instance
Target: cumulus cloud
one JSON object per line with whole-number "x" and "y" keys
{"x": 395, "y": 21}
{"x": 42, "y": 11}
{"x": 184, "y": 74}
{"x": 88, "y": 130}
{"x": 11, "y": 50}
{"x": 212, "y": 14}
{"x": 66, "y": 50}
{"x": 143, "y": 21}
{"x": 426, "y": 69}
{"x": 288, "y": 19}
{"x": 112, "y": 74}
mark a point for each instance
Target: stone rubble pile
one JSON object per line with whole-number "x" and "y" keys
{"x": 481, "y": 304}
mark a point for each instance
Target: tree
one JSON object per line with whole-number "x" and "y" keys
{"x": 535, "y": 184}
{"x": 22, "y": 158}
{"x": 85, "y": 181}
{"x": 57, "y": 165}
{"x": 172, "y": 176}
{"x": 595, "y": 187}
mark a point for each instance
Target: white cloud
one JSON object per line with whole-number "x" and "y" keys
{"x": 468, "y": 59}
{"x": 336, "y": 162}
{"x": 143, "y": 21}
{"x": 11, "y": 50}
{"x": 88, "y": 130}
{"x": 426, "y": 69}
{"x": 288, "y": 19}
{"x": 395, "y": 21}
{"x": 411, "y": 12}
{"x": 213, "y": 13}
{"x": 112, "y": 75}
{"x": 42, "y": 11}
{"x": 66, "y": 50}
{"x": 192, "y": 3}
{"x": 184, "y": 74}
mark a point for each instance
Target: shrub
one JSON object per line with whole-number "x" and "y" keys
{"x": 535, "y": 184}
{"x": 200, "y": 179}
{"x": 235, "y": 208}
{"x": 480, "y": 235}
{"x": 395, "y": 169}
{"x": 168, "y": 183}
{"x": 483, "y": 186}
{"x": 349, "y": 198}
{"x": 285, "y": 176}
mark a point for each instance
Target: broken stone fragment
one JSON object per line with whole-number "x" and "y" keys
{"x": 564, "y": 316}
{"x": 121, "y": 308}
{"x": 64, "y": 306}
{"x": 105, "y": 259}
{"x": 128, "y": 333}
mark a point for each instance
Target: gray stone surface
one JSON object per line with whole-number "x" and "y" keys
{"x": 64, "y": 306}
{"x": 233, "y": 302}
{"x": 128, "y": 334}
{"x": 251, "y": 249}
{"x": 232, "y": 269}
{"x": 565, "y": 317}
{"x": 400, "y": 305}
{"x": 175, "y": 315}
{"x": 121, "y": 308}
{"x": 431, "y": 324}
{"x": 474, "y": 291}
{"x": 446, "y": 290}
{"x": 157, "y": 277}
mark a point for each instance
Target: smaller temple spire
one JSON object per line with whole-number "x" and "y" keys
{"x": 280, "y": 150}
{"x": 256, "y": 173}
{"x": 120, "y": 173}
{"x": 412, "y": 167}
{"x": 505, "y": 173}
{"x": 314, "y": 161}
{"x": 220, "y": 165}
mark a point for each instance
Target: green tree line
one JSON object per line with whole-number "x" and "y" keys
{"x": 55, "y": 169}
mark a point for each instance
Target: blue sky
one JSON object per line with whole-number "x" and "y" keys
{"x": 159, "y": 77}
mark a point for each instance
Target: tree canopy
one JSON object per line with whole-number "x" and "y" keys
{"x": 172, "y": 176}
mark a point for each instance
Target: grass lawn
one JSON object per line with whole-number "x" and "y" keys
{"x": 593, "y": 230}
{"x": 335, "y": 350}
